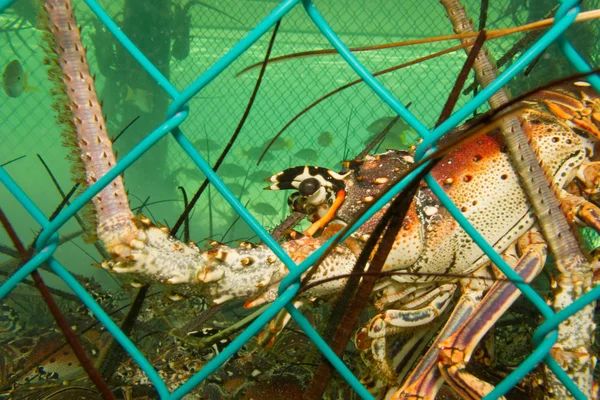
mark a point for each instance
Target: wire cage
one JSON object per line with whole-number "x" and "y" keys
{"x": 193, "y": 86}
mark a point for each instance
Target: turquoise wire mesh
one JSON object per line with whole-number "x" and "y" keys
{"x": 178, "y": 113}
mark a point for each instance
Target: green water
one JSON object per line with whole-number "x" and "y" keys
{"x": 28, "y": 128}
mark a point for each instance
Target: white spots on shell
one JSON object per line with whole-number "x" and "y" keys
{"x": 430, "y": 210}
{"x": 136, "y": 244}
{"x": 175, "y": 297}
{"x": 210, "y": 275}
{"x": 581, "y": 83}
{"x": 221, "y": 255}
{"x": 246, "y": 261}
{"x": 222, "y": 299}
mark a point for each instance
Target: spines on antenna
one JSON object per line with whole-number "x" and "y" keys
{"x": 64, "y": 117}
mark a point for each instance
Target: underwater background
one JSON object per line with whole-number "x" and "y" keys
{"x": 183, "y": 39}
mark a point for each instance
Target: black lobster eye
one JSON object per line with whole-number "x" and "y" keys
{"x": 309, "y": 186}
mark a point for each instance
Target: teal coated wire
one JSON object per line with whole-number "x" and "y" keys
{"x": 365, "y": 75}
{"x": 550, "y": 325}
{"x": 545, "y": 335}
{"x": 338, "y": 364}
{"x": 531, "y": 294}
{"x": 564, "y": 378}
{"x": 4, "y": 4}
{"x": 181, "y": 100}
{"x": 238, "y": 342}
{"x": 538, "y": 355}
{"x": 117, "y": 170}
{"x": 22, "y": 198}
{"x": 293, "y": 276}
{"x": 132, "y": 49}
{"x": 279, "y": 12}
{"x": 536, "y": 49}
{"x": 570, "y": 52}
{"x": 45, "y": 256}
{"x": 30, "y": 266}
{"x": 114, "y": 330}
{"x": 237, "y": 205}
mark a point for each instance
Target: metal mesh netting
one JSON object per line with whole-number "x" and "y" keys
{"x": 28, "y": 126}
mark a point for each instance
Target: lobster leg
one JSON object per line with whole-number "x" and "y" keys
{"x": 456, "y": 351}
{"x": 589, "y": 174}
{"x": 577, "y": 207}
{"x": 426, "y": 379}
{"x": 436, "y": 301}
{"x": 267, "y": 337}
{"x": 384, "y": 327}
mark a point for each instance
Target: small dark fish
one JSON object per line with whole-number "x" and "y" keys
{"x": 201, "y": 143}
{"x": 181, "y": 47}
{"x": 231, "y": 171}
{"x": 308, "y": 155}
{"x": 14, "y": 80}
{"x": 279, "y": 144}
{"x": 325, "y": 139}
{"x": 400, "y": 136}
{"x": 259, "y": 176}
{"x": 264, "y": 209}
{"x": 236, "y": 188}
{"x": 382, "y": 123}
{"x": 253, "y": 153}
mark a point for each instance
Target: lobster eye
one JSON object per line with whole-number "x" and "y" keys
{"x": 309, "y": 186}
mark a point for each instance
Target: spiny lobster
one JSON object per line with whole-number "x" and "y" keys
{"x": 562, "y": 125}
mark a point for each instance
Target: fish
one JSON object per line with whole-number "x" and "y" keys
{"x": 379, "y": 125}
{"x": 264, "y": 209}
{"x": 401, "y": 136}
{"x": 308, "y": 155}
{"x": 254, "y": 153}
{"x": 181, "y": 31}
{"x": 259, "y": 175}
{"x": 140, "y": 98}
{"x": 325, "y": 139}
{"x": 231, "y": 171}
{"x": 279, "y": 144}
{"x": 202, "y": 143}
{"x": 14, "y": 80}
{"x": 236, "y": 188}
